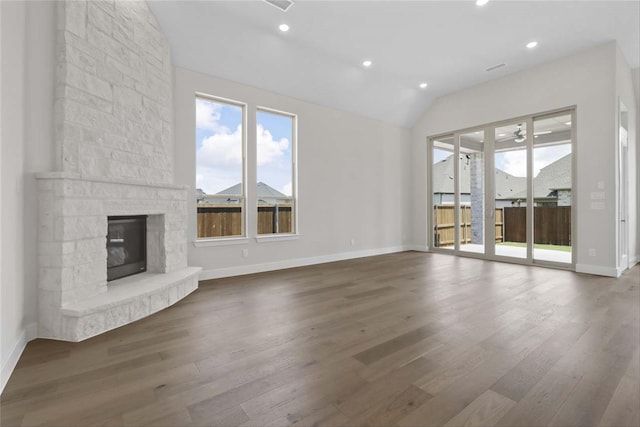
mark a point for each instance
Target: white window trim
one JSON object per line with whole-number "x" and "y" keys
{"x": 270, "y": 238}
{"x": 220, "y": 241}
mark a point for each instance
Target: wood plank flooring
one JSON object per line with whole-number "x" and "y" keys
{"x": 405, "y": 339}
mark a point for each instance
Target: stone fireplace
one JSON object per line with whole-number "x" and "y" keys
{"x": 114, "y": 158}
{"x": 76, "y": 301}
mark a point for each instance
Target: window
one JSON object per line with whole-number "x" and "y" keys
{"x": 276, "y": 177}
{"x": 220, "y": 167}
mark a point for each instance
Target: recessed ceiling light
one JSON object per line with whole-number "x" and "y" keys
{"x": 423, "y": 85}
{"x": 531, "y": 45}
{"x": 284, "y": 28}
{"x": 502, "y": 134}
{"x": 481, "y": 2}
{"x": 367, "y": 63}
{"x": 568, "y": 123}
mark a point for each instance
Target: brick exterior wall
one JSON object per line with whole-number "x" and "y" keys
{"x": 564, "y": 197}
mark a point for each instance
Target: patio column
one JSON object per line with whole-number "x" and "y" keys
{"x": 477, "y": 197}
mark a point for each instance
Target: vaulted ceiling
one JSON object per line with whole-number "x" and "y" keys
{"x": 447, "y": 44}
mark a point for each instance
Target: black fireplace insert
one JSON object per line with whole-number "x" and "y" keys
{"x": 126, "y": 246}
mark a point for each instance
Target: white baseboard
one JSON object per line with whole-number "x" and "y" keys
{"x": 417, "y": 248}
{"x": 29, "y": 333}
{"x": 632, "y": 261}
{"x": 597, "y": 270}
{"x": 297, "y": 262}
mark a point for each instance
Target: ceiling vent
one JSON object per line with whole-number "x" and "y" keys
{"x": 283, "y": 5}
{"x": 495, "y": 67}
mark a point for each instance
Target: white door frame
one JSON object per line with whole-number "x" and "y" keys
{"x": 622, "y": 169}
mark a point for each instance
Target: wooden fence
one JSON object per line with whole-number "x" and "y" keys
{"x": 274, "y": 219}
{"x": 551, "y": 225}
{"x": 444, "y": 224}
{"x": 223, "y": 219}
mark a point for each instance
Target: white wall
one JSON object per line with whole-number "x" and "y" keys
{"x": 586, "y": 80}
{"x": 13, "y": 291}
{"x": 3, "y": 374}
{"x": 353, "y": 181}
{"x": 28, "y": 68}
{"x": 625, "y": 92}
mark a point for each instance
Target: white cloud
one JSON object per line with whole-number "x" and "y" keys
{"x": 208, "y": 115}
{"x": 287, "y": 189}
{"x": 219, "y": 161}
{"x": 221, "y": 150}
{"x": 515, "y": 162}
{"x": 270, "y": 150}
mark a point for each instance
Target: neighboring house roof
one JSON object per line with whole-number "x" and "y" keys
{"x": 266, "y": 193}
{"x": 550, "y": 178}
{"x": 507, "y": 185}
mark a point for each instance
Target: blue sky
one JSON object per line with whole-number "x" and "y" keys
{"x": 219, "y": 147}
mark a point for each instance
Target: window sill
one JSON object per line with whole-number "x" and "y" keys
{"x": 268, "y": 238}
{"x": 202, "y": 243}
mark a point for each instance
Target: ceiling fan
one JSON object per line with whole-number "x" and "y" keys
{"x": 519, "y": 135}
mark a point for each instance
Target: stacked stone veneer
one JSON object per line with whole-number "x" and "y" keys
{"x": 477, "y": 197}
{"x": 114, "y": 97}
{"x": 113, "y": 119}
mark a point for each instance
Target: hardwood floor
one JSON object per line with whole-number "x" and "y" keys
{"x": 404, "y": 339}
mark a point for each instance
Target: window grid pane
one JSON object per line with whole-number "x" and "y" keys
{"x": 275, "y": 136}
{"x": 219, "y": 168}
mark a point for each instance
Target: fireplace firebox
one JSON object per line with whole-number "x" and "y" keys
{"x": 126, "y": 246}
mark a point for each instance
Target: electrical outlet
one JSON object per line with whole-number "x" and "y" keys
{"x": 245, "y": 253}
{"x": 592, "y": 251}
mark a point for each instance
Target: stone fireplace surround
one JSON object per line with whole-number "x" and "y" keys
{"x": 114, "y": 147}
{"x": 75, "y": 301}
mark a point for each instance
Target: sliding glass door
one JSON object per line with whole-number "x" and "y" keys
{"x": 504, "y": 190}
{"x": 510, "y": 185}
{"x": 552, "y": 188}
{"x": 471, "y": 192}
{"x": 443, "y": 170}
